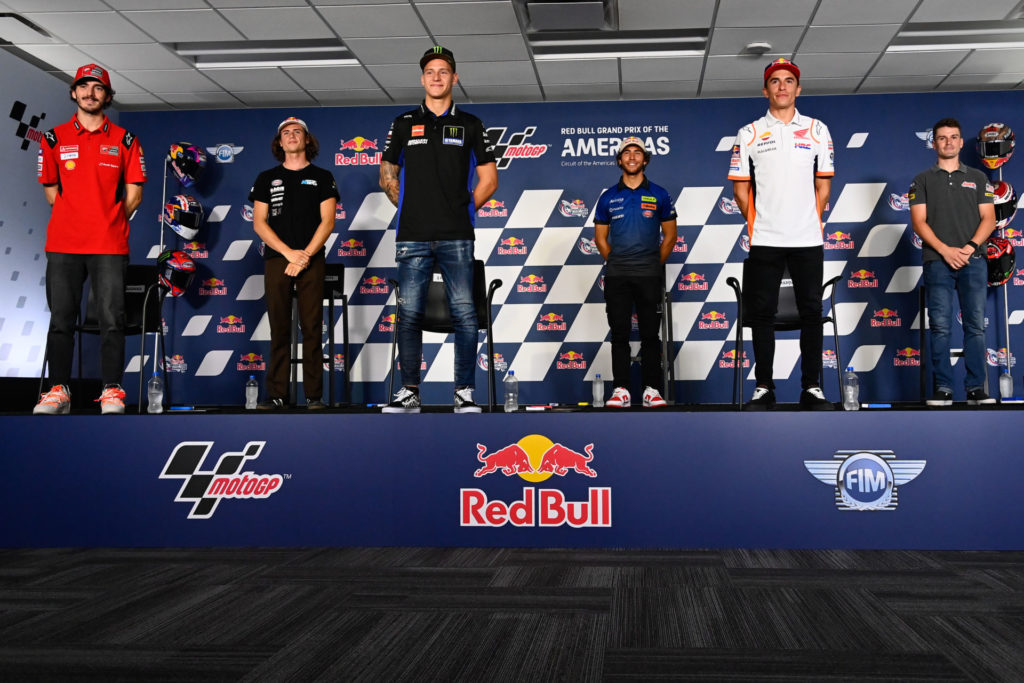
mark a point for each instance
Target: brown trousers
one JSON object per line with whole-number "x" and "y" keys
{"x": 309, "y": 292}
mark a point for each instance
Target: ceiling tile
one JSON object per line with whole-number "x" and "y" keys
{"x": 157, "y": 4}
{"x": 503, "y": 93}
{"x": 578, "y": 71}
{"x": 469, "y": 17}
{"x": 134, "y": 99}
{"x": 167, "y": 80}
{"x": 197, "y": 25}
{"x": 828, "y": 86}
{"x": 359, "y": 21}
{"x": 992, "y": 61}
{"x": 273, "y": 23}
{"x": 848, "y": 38}
{"x": 382, "y": 50}
{"x": 661, "y": 69}
{"x": 824, "y": 65}
{"x": 917, "y": 63}
{"x": 495, "y": 73}
{"x": 731, "y": 41}
{"x": 988, "y": 82}
{"x": 957, "y": 10}
{"x": 327, "y": 77}
{"x": 732, "y": 88}
{"x": 764, "y": 12}
{"x": 490, "y": 48}
{"x": 17, "y": 33}
{"x": 863, "y": 11}
{"x": 406, "y": 95}
{"x": 277, "y": 98}
{"x": 138, "y": 56}
{"x": 57, "y": 5}
{"x": 187, "y": 100}
{"x": 397, "y": 75}
{"x": 658, "y": 90}
{"x": 900, "y": 84}
{"x": 350, "y": 98}
{"x": 88, "y": 28}
{"x": 635, "y": 15}
{"x": 64, "y": 57}
{"x": 739, "y": 68}
{"x": 589, "y": 91}
{"x": 222, "y": 4}
{"x": 250, "y": 80}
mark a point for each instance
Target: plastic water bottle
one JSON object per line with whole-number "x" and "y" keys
{"x": 155, "y": 390}
{"x": 252, "y": 393}
{"x": 598, "y": 399}
{"x": 511, "y": 392}
{"x": 1005, "y": 385}
{"x": 851, "y": 390}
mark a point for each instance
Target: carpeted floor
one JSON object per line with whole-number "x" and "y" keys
{"x": 428, "y": 614}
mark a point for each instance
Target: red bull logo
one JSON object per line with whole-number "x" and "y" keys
{"x": 352, "y": 247}
{"x": 862, "y": 278}
{"x": 839, "y": 240}
{"x": 1015, "y": 236}
{"x": 196, "y": 250}
{"x": 511, "y": 246}
{"x": 551, "y": 322}
{"x": 387, "y": 323}
{"x": 250, "y": 362}
{"x": 1018, "y": 277}
{"x": 693, "y": 282}
{"x": 339, "y": 212}
{"x": 359, "y": 156}
{"x": 907, "y": 357}
{"x": 374, "y": 284}
{"x": 885, "y": 317}
{"x": 713, "y": 320}
{"x": 828, "y": 358}
{"x": 571, "y": 360}
{"x": 680, "y": 247}
{"x": 231, "y": 324}
{"x": 573, "y": 209}
{"x": 728, "y": 360}
{"x": 492, "y": 208}
{"x": 500, "y": 364}
{"x": 531, "y": 284}
{"x": 175, "y": 363}
{"x": 213, "y": 287}
{"x": 535, "y": 458}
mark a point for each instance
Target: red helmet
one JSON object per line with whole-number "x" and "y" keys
{"x": 995, "y": 144}
{"x": 1001, "y": 260}
{"x": 1005, "y": 199}
{"x": 175, "y": 271}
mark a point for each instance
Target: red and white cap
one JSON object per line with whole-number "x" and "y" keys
{"x": 779, "y": 64}
{"x": 289, "y": 121}
{"x": 92, "y": 72}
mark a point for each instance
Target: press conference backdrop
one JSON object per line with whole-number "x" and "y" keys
{"x": 536, "y": 235}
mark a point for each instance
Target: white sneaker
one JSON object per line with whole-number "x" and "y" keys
{"x": 464, "y": 401}
{"x": 406, "y": 401}
{"x": 56, "y": 401}
{"x": 619, "y": 399}
{"x": 653, "y": 399}
{"x": 112, "y": 400}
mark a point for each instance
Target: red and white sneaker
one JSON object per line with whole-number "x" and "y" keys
{"x": 653, "y": 399}
{"x": 56, "y": 401}
{"x": 619, "y": 399}
{"x": 112, "y": 400}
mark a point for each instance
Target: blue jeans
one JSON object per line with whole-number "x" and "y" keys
{"x": 415, "y": 269}
{"x": 971, "y": 286}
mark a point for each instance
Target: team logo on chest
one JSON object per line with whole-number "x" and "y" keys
{"x": 454, "y": 135}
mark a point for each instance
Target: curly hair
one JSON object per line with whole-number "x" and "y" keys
{"x": 312, "y": 147}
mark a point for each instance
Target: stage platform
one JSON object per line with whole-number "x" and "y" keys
{"x": 916, "y": 479}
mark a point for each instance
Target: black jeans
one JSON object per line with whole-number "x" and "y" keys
{"x": 65, "y": 276}
{"x": 621, "y": 294}
{"x": 762, "y": 277}
{"x": 309, "y": 293}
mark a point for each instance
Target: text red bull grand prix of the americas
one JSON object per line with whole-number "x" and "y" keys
{"x": 535, "y": 458}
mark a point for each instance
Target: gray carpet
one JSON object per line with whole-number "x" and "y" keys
{"x": 427, "y": 614}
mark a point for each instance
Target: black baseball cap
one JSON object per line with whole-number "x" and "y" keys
{"x": 438, "y": 52}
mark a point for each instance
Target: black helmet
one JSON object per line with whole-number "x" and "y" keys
{"x": 1000, "y": 260}
{"x": 187, "y": 162}
{"x": 1005, "y": 200}
{"x": 175, "y": 271}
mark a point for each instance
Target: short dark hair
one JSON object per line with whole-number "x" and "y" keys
{"x": 312, "y": 146}
{"x": 948, "y": 122}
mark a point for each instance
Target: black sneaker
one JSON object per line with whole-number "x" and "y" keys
{"x": 314, "y": 404}
{"x": 272, "y": 404}
{"x": 763, "y": 399}
{"x": 464, "y": 401}
{"x": 406, "y": 401}
{"x": 941, "y": 398}
{"x": 978, "y": 397}
{"x": 813, "y": 398}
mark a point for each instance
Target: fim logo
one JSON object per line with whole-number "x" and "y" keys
{"x": 360, "y": 157}
{"x": 352, "y": 247}
{"x": 574, "y": 209}
{"x": 862, "y": 278}
{"x": 250, "y": 362}
{"x": 500, "y": 364}
{"x": 907, "y": 357}
{"x": 885, "y": 317}
{"x": 225, "y": 153}
{"x": 512, "y": 246}
{"x": 205, "y": 490}
{"x": 693, "y": 282}
{"x": 492, "y": 208}
{"x": 535, "y": 458}
{"x": 865, "y": 480}
{"x": 587, "y": 246}
{"x": 571, "y": 360}
{"x": 680, "y": 247}
{"x": 839, "y": 240}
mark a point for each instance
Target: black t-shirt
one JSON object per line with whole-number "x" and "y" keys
{"x": 293, "y": 199}
{"x": 438, "y": 156}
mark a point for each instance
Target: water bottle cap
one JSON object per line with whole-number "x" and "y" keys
{"x": 252, "y": 376}
{"x": 511, "y": 373}
{"x": 598, "y": 376}
{"x": 849, "y": 368}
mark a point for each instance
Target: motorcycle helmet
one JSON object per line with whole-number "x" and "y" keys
{"x": 175, "y": 271}
{"x": 184, "y": 215}
{"x": 1001, "y": 260}
{"x": 187, "y": 162}
{"x": 1005, "y": 200}
{"x": 995, "y": 144}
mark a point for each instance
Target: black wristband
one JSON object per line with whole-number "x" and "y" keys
{"x": 971, "y": 242}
